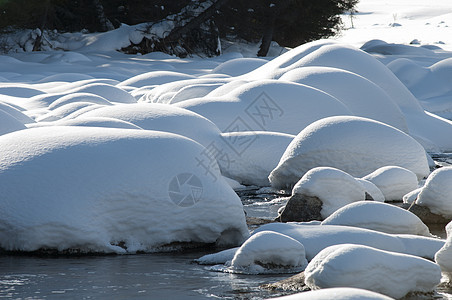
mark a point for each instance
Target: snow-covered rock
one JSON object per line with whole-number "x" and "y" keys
{"x": 355, "y": 145}
{"x": 341, "y": 293}
{"x": 378, "y": 216}
{"x": 162, "y": 117}
{"x": 363, "y": 97}
{"x": 110, "y": 190}
{"x": 154, "y": 78}
{"x": 269, "y": 252}
{"x": 249, "y": 156}
{"x": 239, "y": 66}
{"x": 335, "y": 188}
{"x": 444, "y": 256}
{"x": 436, "y": 194}
{"x": 384, "y": 272}
{"x": 394, "y": 182}
{"x": 221, "y": 257}
{"x": 88, "y": 122}
{"x": 317, "y": 237}
{"x": 372, "y": 190}
{"x": 270, "y": 105}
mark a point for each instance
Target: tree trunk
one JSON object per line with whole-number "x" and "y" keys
{"x": 38, "y": 42}
{"x": 104, "y": 22}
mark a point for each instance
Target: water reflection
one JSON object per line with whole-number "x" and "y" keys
{"x": 155, "y": 276}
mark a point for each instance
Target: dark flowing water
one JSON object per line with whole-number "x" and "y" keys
{"x": 145, "y": 276}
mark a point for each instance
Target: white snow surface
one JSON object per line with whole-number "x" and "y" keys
{"x": 363, "y": 97}
{"x": 270, "y": 105}
{"x": 249, "y": 156}
{"x": 317, "y": 237}
{"x": 372, "y": 190}
{"x": 378, "y": 216}
{"x": 93, "y": 189}
{"x": 9, "y": 124}
{"x": 394, "y": 182}
{"x": 436, "y": 194}
{"x": 388, "y": 273}
{"x": 344, "y": 142}
{"x": 444, "y": 256}
{"x": 269, "y": 252}
{"x": 235, "y": 95}
{"x": 163, "y": 117}
{"x": 340, "y": 293}
{"x": 335, "y": 188}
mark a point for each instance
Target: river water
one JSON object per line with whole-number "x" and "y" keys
{"x": 144, "y": 276}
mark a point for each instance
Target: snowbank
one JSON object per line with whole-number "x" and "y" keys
{"x": 436, "y": 193}
{"x": 333, "y": 187}
{"x": 317, "y": 237}
{"x": 110, "y": 190}
{"x": 340, "y": 293}
{"x": 378, "y": 216}
{"x": 394, "y": 182}
{"x": 384, "y": 272}
{"x": 355, "y": 145}
{"x": 269, "y": 252}
{"x": 444, "y": 256}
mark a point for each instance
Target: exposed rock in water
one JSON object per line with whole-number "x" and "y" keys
{"x": 301, "y": 208}
{"x": 293, "y": 284}
{"x": 424, "y": 213}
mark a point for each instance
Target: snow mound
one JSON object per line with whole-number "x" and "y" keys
{"x": 372, "y": 190}
{"x": 67, "y": 111}
{"x": 317, "y": 237}
{"x": 394, "y": 182}
{"x": 379, "y": 217}
{"x": 361, "y": 96}
{"x": 193, "y": 91}
{"x": 333, "y": 187}
{"x": 154, "y": 78}
{"x": 341, "y": 293}
{"x": 16, "y": 113}
{"x": 79, "y": 97}
{"x": 165, "y": 92}
{"x": 249, "y": 156}
{"x": 89, "y": 122}
{"x": 355, "y": 145}
{"x": 8, "y": 123}
{"x": 221, "y": 257}
{"x": 239, "y": 66}
{"x": 110, "y": 190}
{"x": 269, "y": 252}
{"x": 436, "y": 193}
{"x": 444, "y": 256}
{"x": 269, "y": 105}
{"x": 162, "y": 117}
{"x": 364, "y": 64}
{"x": 384, "y": 272}
{"x": 19, "y": 91}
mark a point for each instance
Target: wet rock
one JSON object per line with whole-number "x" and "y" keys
{"x": 301, "y": 208}
{"x": 424, "y": 213}
{"x": 293, "y": 284}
